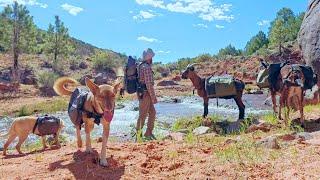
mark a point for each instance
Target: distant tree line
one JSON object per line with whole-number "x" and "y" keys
{"x": 284, "y": 28}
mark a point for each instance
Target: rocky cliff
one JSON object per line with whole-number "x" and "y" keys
{"x": 309, "y": 35}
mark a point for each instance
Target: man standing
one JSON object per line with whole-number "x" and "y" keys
{"x": 146, "y": 95}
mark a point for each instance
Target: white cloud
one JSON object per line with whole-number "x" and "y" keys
{"x": 204, "y": 9}
{"x": 73, "y": 10}
{"x": 23, "y": 2}
{"x": 163, "y": 52}
{"x": 154, "y": 3}
{"x": 263, "y": 23}
{"x": 147, "y": 39}
{"x": 201, "y": 25}
{"x": 144, "y": 15}
{"x": 219, "y": 26}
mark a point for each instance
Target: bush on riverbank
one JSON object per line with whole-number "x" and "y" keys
{"x": 52, "y": 106}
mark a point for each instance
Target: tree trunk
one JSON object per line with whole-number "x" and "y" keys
{"x": 15, "y": 46}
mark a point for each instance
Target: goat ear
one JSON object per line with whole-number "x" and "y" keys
{"x": 92, "y": 86}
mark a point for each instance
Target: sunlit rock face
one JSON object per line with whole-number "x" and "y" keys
{"x": 309, "y": 35}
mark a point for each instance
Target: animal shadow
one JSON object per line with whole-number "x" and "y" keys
{"x": 11, "y": 156}
{"x": 86, "y": 166}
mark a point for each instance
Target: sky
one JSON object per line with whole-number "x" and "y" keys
{"x": 172, "y": 28}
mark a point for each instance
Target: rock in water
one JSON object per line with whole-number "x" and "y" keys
{"x": 201, "y": 130}
{"x": 309, "y": 41}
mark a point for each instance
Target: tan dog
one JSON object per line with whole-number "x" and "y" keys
{"x": 22, "y": 127}
{"x": 99, "y": 99}
{"x": 292, "y": 94}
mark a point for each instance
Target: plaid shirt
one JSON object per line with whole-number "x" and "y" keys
{"x": 146, "y": 77}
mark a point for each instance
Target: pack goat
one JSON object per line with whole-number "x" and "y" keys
{"x": 199, "y": 84}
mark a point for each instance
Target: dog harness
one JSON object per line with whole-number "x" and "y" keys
{"x": 76, "y": 108}
{"x": 47, "y": 125}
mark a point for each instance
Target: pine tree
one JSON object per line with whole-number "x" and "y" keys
{"x": 278, "y": 34}
{"x": 57, "y": 42}
{"x": 258, "y": 41}
{"x": 285, "y": 27}
{"x": 18, "y": 31}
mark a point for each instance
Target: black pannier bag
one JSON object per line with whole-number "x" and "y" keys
{"x": 47, "y": 125}
{"x": 76, "y": 104}
{"x": 310, "y": 78}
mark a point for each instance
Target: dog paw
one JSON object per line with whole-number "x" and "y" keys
{"x": 103, "y": 162}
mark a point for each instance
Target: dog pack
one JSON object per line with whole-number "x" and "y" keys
{"x": 76, "y": 107}
{"x": 47, "y": 125}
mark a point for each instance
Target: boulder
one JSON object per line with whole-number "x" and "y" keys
{"x": 176, "y": 78}
{"x": 304, "y": 136}
{"x": 29, "y": 80}
{"x": 104, "y": 78}
{"x": 270, "y": 142}
{"x": 167, "y": 83}
{"x": 176, "y": 136}
{"x": 46, "y": 64}
{"x": 47, "y": 91}
{"x": 264, "y": 127}
{"x": 6, "y": 75}
{"x": 201, "y": 130}
{"x": 314, "y": 142}
{"x": 83, "y": 65}
{"x": 28, "y": 77}
{"x": 308, "y": 38}
{"x": 73, "y": 67}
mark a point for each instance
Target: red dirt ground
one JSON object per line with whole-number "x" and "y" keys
{"x": 160, "y": 160}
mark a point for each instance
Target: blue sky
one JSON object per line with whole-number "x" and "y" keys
{"x": 173, "y": 28}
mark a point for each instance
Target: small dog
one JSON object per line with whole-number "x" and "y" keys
{"x": 98, "y": 106}
{"x": 22, "y": 127}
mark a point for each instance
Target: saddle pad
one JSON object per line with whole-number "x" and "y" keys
{"x": 220, "y": 86}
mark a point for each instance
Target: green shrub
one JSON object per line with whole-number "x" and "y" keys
{"x": 187, "y": 123}
{"x": 46, "y": 79}
{"x": 157, "y": 76}
{"x": 24, "y": 111}
{"x": 105, "y": 61}
{"x": 55, "y": 105}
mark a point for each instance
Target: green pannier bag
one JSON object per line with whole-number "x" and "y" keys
{"x": 220, "y": 86}
{"x": 263, "y": 79}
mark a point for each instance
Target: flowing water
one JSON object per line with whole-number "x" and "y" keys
{"x": 168, "y": 112}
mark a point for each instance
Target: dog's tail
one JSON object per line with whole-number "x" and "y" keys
{"x": 61, "y": 83}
